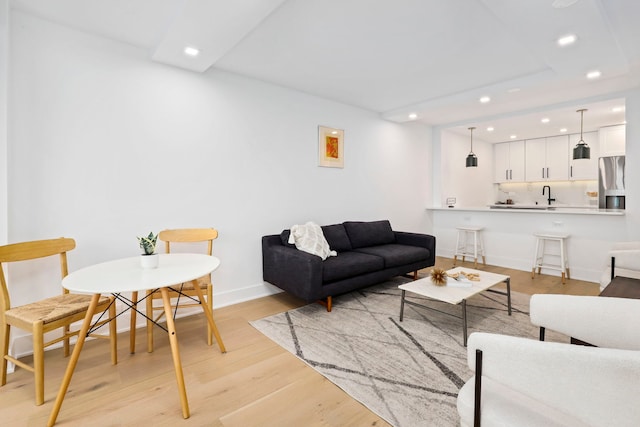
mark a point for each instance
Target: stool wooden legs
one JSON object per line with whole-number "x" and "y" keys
{"x": 540, "y": 252}
{"x": 462, "y": 245}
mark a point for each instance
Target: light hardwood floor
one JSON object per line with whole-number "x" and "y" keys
{"x": 256, "y": 383}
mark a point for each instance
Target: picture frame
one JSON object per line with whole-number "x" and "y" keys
{"x": 330, "y": 147}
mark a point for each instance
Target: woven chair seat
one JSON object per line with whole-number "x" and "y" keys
{"x": 203, "y": 282}
{"x": 52, "y": 309}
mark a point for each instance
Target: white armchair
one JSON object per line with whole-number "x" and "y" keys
{"x": 524, "y": 382}
{"x": 604, "y": 322}
{"x": 626, "y": 256}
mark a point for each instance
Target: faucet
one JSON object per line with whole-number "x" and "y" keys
{"x": 549, "y": 200}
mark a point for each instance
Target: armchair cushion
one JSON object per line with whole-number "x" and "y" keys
{"x": 605, "y": 322}
{"x": 591, "y": 385}
{"x": 503, "y": 406}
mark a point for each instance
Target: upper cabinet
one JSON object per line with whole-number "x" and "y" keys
{"x": 547, "y": 159}
{"x": 612, "y": 141}
{"x": 584, "y": 168}
{"x": 508, "y": 162}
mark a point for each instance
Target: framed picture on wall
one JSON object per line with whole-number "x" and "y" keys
{"x": 330, "y": 147}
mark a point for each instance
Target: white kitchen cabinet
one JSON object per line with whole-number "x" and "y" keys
{"x": 582, "y": 169}
{"x": 508, "y": 161}
{"x": 612, "y": 140}
{"x": 547, "y": 159}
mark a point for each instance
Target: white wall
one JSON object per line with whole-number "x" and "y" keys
{"x": 106, "y": 145}
{"x": 470, "y": 186}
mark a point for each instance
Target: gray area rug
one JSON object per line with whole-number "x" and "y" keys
{"x": 408, "y": 372}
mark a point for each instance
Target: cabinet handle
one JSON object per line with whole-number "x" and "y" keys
{"x": 506, "y": 174}
{"x": 510, "y": 173}
{"x": 543, "y": 172}
{"x": 547, "y": 172}
{"x": 571, "y": 171}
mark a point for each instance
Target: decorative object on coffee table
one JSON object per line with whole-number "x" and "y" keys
{"x": 439, "y": 277}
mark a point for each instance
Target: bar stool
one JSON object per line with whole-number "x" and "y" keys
{"x": 540, "y": 254}
{"x": 468, "y": 246}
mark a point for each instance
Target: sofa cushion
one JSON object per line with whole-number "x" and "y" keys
{"x": 397, "y": 255}
{"x": 337, "y": 237}
{"x": 349, "y": 264}
{"x": 309, "y": 238}
{"x": 373, "y": 233}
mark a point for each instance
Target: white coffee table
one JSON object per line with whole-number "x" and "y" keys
{"x": 455, "y": 294}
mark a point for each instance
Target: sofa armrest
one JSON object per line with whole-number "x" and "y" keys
{"x": 294, "y": 271}
{"x": 417, "y": 239}
{"x": 605, "y": 322}
{"x": 597, "y": 386}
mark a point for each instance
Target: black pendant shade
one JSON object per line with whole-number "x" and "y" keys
{"x": 581, "y": 150}
{"x": 472, "y": 159}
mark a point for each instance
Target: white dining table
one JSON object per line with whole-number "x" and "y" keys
{"x": 127, "y": 275}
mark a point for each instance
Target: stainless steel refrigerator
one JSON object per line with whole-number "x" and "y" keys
{"x": 611, "y": 192}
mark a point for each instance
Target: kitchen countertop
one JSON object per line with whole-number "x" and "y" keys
{"x": 536, "y": 209}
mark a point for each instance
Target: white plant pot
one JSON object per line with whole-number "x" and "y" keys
{"x": 149, "y": 261}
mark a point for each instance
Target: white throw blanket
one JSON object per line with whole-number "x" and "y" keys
{"x": 309, "y": 238}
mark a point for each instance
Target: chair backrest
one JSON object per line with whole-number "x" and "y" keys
{"x": 188, "y": 235}
{"x": 28, "y": 251}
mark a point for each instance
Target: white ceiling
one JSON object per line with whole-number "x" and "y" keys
{"x": 435, "y": 58}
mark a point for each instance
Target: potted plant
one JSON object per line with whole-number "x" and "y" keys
{"x": 149, "y": 257}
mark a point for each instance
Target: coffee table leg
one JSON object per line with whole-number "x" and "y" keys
{"x": 509, "y": 294}
{"x": 173, "y": 340}
{"x": 464, "y": 321}
{"x": 402, "y": 305}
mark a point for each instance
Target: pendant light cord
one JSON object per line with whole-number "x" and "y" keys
{"x": 581, "y": 123}
{"x": 471, "y": 129}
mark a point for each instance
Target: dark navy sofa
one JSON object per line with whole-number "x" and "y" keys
{"x": 368, "y": 253}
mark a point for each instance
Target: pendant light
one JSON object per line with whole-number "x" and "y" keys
{"x": 472, "y": 159}
{"x": 581, "y": 150}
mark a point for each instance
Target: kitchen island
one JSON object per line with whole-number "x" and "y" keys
{"x": 509, "y": 241}
{"x": 575, "y": 210}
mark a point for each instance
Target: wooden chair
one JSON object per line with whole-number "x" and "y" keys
{"x": 185, "y": 294}
{"x": 46, "y": 315}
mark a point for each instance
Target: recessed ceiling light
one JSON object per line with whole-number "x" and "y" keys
{"x": 563, "y": 130}
{"x": 413, "y": 116}
{"x": 191, "y": 51}
{"x": 617, "y": 109}
{"x": 567, "y": 40}
{"x": 545, "y": 120}
{"x": 513, "y": 136}
{"x": 490, "y": 129}
{"x": 485, "y": 99}
{"x": 593, "y": 74}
